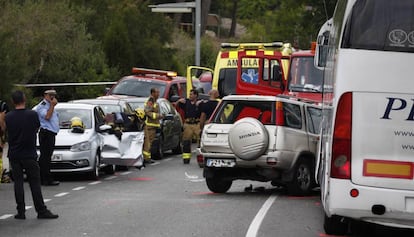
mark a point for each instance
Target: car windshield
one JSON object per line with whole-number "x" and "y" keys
{"x": 227, "y": 81}
{"x": 110, "y": 108}
{"x": 304, "y": 76}
{"x": 65, "y": 115}
{"x": 137, "y": 104}
{"x": 232, "y": 111}
{"x": 136, "y": 87}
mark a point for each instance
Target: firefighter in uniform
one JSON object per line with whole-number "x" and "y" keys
{"x": 191, "y": 122}
{"x": 152, "y": 122}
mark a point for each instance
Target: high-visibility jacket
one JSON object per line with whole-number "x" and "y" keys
{"x": 152, "y": 109}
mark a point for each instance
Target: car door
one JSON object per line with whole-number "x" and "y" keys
{"x": 167, "y": 124}
{"x": 98, "y": 119}
{"x": 120, "y": 146}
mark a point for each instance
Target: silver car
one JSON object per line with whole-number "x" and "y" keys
{"x": 261, "y": 138}
{"x": 80, "y": 150}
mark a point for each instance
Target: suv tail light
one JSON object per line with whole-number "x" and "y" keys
{"x": 341, "y": 147}
{"x": 280, "y": 117}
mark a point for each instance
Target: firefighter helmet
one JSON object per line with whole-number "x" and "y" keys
{"x": 140, "y": 113}
{"x": 76, "y": 125}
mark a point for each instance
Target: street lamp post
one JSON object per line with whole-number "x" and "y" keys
{"x": 185, "y": 7}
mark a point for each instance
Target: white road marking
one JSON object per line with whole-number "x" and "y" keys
{"x": 61, "y": 194}
{"x": 197, "y": 180}
{"x": 110, "y": 177}
{"x": 46, "y": 200}
{"x": 5, "y": 216}
{"x": 257, "y": 221}
{"x": 96, "y": 182}
{"x": 168, "y": 159}
{"x": 125, "y": 173}
{"x": 190, "y": 176}
{"x": 28, "y": 207}
{"x": 78, "y": 188}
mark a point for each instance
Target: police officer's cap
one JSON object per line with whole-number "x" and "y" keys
{"x": 50, "y": 92}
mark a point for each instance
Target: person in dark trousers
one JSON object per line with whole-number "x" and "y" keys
{"x": 49, "y": 127}
{"x": 21, "y": 127}
{"x": 207, "y": 107}
{"x": 191, "y": 122}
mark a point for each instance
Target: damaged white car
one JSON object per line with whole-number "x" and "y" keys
{"x": 88, "y": 143}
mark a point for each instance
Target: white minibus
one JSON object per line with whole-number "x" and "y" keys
{"x": 366, "y": 158}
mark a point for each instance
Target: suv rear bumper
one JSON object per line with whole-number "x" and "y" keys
{"x": 268, "y": 160}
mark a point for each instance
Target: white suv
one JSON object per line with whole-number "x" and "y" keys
{"x": 261, "y": 138}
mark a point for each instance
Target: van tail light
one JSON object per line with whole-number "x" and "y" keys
{"x": 280, "y": 117}
{"x": 341, "y": 147}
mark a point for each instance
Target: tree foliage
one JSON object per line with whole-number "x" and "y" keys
{"x": 45, "y": 41}
{"x": 294, "y": 21}
{"x": 49, "y": 42}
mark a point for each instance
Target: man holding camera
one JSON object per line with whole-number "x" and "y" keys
{"x": 3, "y": 110}
{"x": 49, "y": 127}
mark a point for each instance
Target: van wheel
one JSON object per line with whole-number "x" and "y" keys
{"x": 302, "y": 182}
{"x": 218, "y": 185}
{"x": 157, "y": 150}
{"x": 334, "y": 225}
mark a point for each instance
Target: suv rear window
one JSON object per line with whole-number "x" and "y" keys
{"x": 136, "y": 87}
{"x": 231, "y": 111}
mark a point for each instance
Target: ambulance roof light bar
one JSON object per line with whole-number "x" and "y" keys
{"x": 251, "y": 45}
{"x": 146, "y": 71}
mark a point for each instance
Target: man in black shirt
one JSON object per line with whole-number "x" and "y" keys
{"x": 191, "y": 122}
{"x": 207, "y": 108}
{"x": 22, "y": 126}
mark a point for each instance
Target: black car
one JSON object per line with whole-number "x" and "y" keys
{"x": 169, "y": 135}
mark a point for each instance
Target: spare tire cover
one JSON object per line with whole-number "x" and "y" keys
{"x": 248, "y": 139}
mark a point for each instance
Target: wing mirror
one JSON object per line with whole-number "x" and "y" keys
{"x": 105, "y": 128}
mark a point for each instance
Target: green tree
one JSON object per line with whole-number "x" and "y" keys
{"x": 50, "y": 40}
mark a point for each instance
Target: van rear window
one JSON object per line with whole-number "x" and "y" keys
{"x": 381, "y": 25}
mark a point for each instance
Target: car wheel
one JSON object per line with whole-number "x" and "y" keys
{"x": 110, "y": 169}
{"x": 335, "y": 225}
{"x": 178, "y": 149}
{"x": 248, "y": 138}
{"x": 218, "y": 185}
{"x": 303, "y": 180}
{"x": 156, "y": 149}
{"x": 94, "y": 174}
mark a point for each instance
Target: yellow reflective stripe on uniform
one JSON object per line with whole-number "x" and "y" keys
{"x": 153, "y": 124}
{"x": 186, "y": 155}
{"x": 154, "y": 115}
{"x": 147, "y": 155}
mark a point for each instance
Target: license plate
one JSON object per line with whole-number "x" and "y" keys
{"x": 221, "y": 163}
{"x": 57, "y": 157}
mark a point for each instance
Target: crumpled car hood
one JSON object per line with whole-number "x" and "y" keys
{"x": 127, "y": 151}
{"x": 67, "y": 138}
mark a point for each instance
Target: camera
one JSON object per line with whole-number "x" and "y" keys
{"x": 3, "y": 107}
